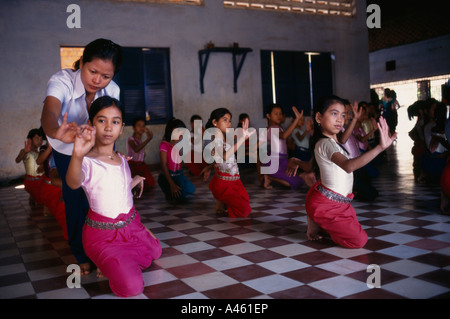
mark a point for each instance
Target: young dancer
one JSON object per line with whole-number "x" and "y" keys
{"x": 172, "y": 181}
{"x": 33, "y": 173}
{"x": 69, "y": 96}
{"x": 113, "y": 235}
{"x": 275, "y": 117}
{"x": 226, "y": 186}
{"x": 328, "y": 202}
{"x": 136, "y": 149}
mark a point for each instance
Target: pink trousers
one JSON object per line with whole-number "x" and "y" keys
{"x": 337, "y": 218}
{"x": 121, "y": 254}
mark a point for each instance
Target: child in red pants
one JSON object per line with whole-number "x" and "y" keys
{"x": 328, "y": 201}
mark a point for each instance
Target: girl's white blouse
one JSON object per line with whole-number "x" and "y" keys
{"x": 331, "y": 175}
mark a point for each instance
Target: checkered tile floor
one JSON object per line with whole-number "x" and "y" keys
{"x": 265, "y": 256}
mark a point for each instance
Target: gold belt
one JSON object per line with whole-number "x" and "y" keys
{"x": 228, "y": 178}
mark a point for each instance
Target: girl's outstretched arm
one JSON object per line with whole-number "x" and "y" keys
{"x": 357, "y": 112}
{"x": 174, "y": 188}
{"x": 291, "y": 127}
{"x": 84, "y": 141}
{"x": 351, "y": 165}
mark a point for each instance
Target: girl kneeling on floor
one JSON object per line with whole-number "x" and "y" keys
{"x": 113, "y": 236}
{"x": 328, "y": 202}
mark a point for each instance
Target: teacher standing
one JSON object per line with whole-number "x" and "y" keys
{"x": 69, "y": 96}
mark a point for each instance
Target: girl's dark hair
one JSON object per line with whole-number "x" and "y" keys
{"x": 216, "y": 115}
{"x": 321, "y": 107}
{"x": 272, "y": 106}
{"x": 242, "y": 117}
{"x": 137, "y": 119}
{"x": 102, "y": 49}
{"x": 195, "y": 117}
{"x": 172, "y": 124}
{"x": 33, "y": 132}
{"x": 103, "y": 103}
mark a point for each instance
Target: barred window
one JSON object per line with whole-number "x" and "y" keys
{"x": 322, "y": 7}
{"x": 292, "y": 78}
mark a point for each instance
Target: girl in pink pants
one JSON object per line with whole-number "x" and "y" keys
{"x": 113, "y": 235}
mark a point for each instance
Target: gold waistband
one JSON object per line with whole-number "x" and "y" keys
{"x": 228, "y": 178}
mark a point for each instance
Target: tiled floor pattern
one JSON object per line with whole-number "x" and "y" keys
{"x": 265, "y": 256}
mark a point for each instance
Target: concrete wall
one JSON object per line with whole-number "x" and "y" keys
{"x": 32, "y": 31}
{"x": 421, "y": 59}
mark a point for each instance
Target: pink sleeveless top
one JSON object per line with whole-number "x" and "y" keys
{"x": 107, "y": 186}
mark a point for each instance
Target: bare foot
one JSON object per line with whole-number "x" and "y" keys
{"x": 267, "y": 182}
{"x": 85, "y": 269}
{"x": 313, "y": 230}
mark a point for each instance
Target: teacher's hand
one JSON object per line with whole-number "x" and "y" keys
{"x": 67, "y": 131}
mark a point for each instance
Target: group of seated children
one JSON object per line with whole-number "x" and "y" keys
{"x": 42, "y": 181}
{"x": 431, "y": 149}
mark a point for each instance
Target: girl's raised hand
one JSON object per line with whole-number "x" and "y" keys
{"x": 385, "y": 139}
{"x": 298, "y": 115}
{"x": 27, "y": 147}
{"x": 84, "y": 140}
{"x": 357, "y": 112}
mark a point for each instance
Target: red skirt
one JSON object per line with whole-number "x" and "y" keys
{"x": 335, "y": 217}
{"x": 232, "y": 193}
{"x": 51, "y": 196}
{"x": 121, "y": 254}
{"x": 33, "y": 185}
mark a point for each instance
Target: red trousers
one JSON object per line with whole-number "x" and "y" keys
{"x": 44, "y": 193}
{"x": 51, "y": 196}
{"x": 336, "y": 218}
{"x": 232, "y": 193}
{"x": 33, "y": 187}
{"x": 195, "y": 168}
{"x": 141, "y": 169}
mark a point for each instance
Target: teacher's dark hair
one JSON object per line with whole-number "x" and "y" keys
{"x": 102, "y": 49}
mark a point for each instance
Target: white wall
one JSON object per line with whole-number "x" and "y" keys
{"x": 416, "y": 60}
{"x": 31, "y": 32}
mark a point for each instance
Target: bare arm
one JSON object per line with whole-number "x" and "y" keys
{"x": 84, "y": 141}
{"x": 175, "y": 189}
{"x": 44, "y": 155}
{"x": 343, "y": 136}
{"x": 25, "y": 150}
{"x": 137, "y": 147}
{"x": 49, "y": 120}
{"x": 351, "y": 165}
{"x": 292, "y": 126}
